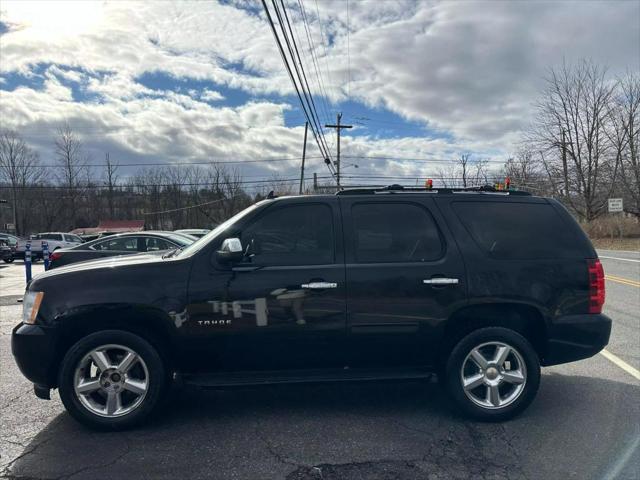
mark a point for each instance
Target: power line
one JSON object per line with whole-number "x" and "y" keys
{"x": 314, "y": 58}
{"x": 276, "y": 159}
{"x": 310, "y": 118}
{"x": 308, "y": 96}
{"x": 419, "y": 160}
{"x": 348, "y": 53}
{"x": 326, "y": 55}
{"x": 187, "y": 208}
{"x": 179, "y": 164}
{"x": 162, "y": 185}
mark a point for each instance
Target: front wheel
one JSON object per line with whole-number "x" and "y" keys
{"x": 493, "y": 374}
{"x": 8, "y": 260}
{"x": 112, "y": 380}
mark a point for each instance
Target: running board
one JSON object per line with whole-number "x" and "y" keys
{"x": 303, "y": 376}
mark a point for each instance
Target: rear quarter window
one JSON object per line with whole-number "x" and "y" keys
{"x": 518, "y": 231}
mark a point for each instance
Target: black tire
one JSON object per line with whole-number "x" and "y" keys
{"x": 458, "y": 358}
{"x": 8, "y": 260}
{"x": 157, "y": 380}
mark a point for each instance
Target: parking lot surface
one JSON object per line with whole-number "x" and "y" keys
{"x": 585, "y": 422}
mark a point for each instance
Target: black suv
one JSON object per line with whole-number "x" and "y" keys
{"x": 479, "y": 286}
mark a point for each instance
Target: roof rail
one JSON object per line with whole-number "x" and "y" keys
{"x": 402, "y": 189}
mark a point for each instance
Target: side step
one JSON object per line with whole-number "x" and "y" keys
{"x": 303, "y": 376}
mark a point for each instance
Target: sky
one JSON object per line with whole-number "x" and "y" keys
{"x": 422, "y": 82}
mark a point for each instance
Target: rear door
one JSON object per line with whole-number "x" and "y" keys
{"x": 404, "y": 278}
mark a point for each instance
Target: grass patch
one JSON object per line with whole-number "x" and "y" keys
{"x": 632, "y": 244}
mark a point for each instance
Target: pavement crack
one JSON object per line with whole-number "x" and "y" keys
{"x": 7, "y": 468}
{"x": 272, "y": 450}
{"x": 104, "y": 465}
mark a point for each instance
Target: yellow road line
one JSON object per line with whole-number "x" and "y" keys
{"x": 624, "y": 281}
{"x": 621, "y": 363}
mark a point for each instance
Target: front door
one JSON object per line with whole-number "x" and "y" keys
{"x": 404, "y": 278}
{"x": 283, "y": 307}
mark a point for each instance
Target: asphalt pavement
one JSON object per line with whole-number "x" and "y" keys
{"x": 584, "y": 423}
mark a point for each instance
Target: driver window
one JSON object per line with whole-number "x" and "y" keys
{"x": 292, "y": 235}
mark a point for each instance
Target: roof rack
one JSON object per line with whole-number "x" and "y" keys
{"x": 402, "y": 189}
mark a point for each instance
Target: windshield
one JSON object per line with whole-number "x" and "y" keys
{"x": 196, "y": 246}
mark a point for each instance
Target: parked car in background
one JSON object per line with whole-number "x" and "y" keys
{"x": 10, "y": 242}
{"x": 6, "y": 251}
{"x": 119, "y": 244}
{"x": 55, "y": 241}
{"x": 196, "y": 232}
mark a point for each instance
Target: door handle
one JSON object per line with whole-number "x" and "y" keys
{"x": 319, "y": 285}
{"x": 441, "y": 281}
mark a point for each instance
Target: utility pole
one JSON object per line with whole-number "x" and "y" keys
{"x": 338, "y": 127}
{"x": 304, "y": 153}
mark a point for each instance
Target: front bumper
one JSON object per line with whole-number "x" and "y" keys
{"x": 575, "y": 337}
{"x": 34, "y": 348}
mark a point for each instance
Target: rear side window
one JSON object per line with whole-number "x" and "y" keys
{"x": 128, "y": 244}
{"x": 51, "y": 236}
{"x": 394, "y": 232}
{"x": 518, "y": 231}
{"x": 292, "y": 235}
{"x": 154, "y": 244}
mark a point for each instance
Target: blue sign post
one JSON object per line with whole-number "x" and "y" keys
{"x": 45, "y": 254}
{"x": 27, "y": 260}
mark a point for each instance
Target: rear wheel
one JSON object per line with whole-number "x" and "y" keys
{"x": 8, "y": 260}
{"x": 493, "y": 374}
{"x": 112, "y": 380}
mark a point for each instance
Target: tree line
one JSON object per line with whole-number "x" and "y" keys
{"x": 581, "y": 148}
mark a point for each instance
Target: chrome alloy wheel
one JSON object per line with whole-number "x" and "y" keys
{"x": 111, "y": 380}
{"x": 493, "y": 375}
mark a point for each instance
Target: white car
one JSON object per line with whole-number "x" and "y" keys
{"x": 55, "y": 240}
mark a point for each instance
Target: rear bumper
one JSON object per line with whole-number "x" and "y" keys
{"x": 574, "y": 337}
{"x": 34, "y": 349}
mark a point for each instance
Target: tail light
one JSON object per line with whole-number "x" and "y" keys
{"x": 54, "y": 256}
{"x": 596, "y": 285}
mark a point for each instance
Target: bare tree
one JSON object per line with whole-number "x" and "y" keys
{"x": 571, "y": 133}
{"x": 111, "y": 178}
{"x": 447, "y": 175}
{"x": 72, "y": 162}
{"x": 19, "y": 167}
{"x": 625, "y": 137}
{"x": 463, "y": 162}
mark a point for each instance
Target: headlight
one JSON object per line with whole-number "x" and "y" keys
{"x": 30, "y": 306}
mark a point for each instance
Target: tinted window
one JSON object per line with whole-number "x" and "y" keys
{"x": 394, "y": 232}
{"x": 518, "y": 230}
{"x": 72, "y": 238}
{"x": 154, "y": 244}
{"x": 129, "y": 244}
{"x": 51, "y": 236}
{"x": 292, "y": 235}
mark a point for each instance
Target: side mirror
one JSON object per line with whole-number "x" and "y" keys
{"x": 230, "y": 251}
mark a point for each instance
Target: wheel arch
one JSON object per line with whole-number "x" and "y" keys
{"x": 153, "y": 325}
{"x": 525, "y": 319}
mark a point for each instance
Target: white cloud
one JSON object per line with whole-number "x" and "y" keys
{"x": 211, "y": 95}
{"x": 469, "y": 69}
